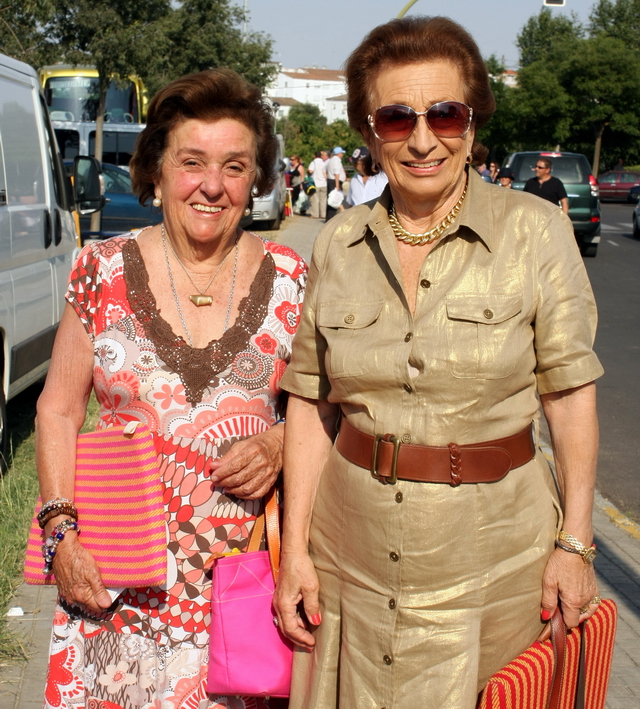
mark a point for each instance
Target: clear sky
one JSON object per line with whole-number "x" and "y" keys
{"x": 323, "y": 32}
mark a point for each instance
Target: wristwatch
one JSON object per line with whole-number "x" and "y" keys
{"x": 567, "y": 542}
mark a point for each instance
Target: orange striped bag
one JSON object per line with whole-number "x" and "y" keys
{"x": 118, "y": 494}
{"x": 531, "y": 680}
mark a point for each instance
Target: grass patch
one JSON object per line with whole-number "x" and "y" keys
{"x": 18, "y": 495}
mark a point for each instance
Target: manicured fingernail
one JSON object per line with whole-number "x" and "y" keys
{"x": 315, "y": 619}
{"x": 545, "y": 615}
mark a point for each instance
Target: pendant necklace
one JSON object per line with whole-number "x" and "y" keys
{"x": 199, "y": 299}
{"x": 428, "y": 236}
{"x": 175, "y": 292}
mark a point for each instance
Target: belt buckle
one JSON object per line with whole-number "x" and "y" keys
{"x": 388, "y": 438}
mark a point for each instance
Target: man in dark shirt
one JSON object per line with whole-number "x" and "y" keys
{"x": 548, "y": 187}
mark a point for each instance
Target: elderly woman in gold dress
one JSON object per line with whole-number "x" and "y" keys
{"x": 427, "y": 542}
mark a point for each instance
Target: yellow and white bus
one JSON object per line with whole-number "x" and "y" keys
{"x": 72, "y": 93}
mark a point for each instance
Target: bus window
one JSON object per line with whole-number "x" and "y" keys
{"x": 68, "y": 142}
{"x": 117, "y": 147}
{"x": 75, "y": 98}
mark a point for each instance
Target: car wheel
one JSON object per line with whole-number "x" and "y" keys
{"x": 589, "y": 250}
{"x": 274, "y": 224}
{"x": 636, "y": 229}
{"x": 4, "y": 434}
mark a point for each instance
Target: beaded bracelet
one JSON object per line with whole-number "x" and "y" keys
{"x": 53, "y": 508}
{"x": 52, "y": 541}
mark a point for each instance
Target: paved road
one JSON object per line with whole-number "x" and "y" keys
{"x": 615, "y": 277}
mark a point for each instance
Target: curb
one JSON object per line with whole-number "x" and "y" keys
{"x": 613, "y": 513}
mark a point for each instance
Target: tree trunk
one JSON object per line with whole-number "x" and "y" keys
{"x": 96, "y": 217}
{"x": 596, "y": 152}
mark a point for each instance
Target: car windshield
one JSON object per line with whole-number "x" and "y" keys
{"x": 116, "y": 181}
{"x": 571, "y": 170}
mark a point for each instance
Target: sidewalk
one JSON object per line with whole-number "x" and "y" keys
{"x": 617, "y": 567}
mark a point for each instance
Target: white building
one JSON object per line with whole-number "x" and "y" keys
{"x": 323, "y": 88}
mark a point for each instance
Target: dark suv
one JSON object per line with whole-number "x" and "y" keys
{"x": 581, "y": 187}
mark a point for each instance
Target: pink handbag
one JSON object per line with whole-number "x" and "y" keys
{"x": 247, "y": 653}
{"x": 118, "y": 494}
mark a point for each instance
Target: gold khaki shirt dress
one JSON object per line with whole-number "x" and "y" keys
{"x": 427, "y": 589}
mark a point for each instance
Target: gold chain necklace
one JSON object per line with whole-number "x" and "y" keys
{"x": 200, "y": 298}
{"x": 428, "y": 236}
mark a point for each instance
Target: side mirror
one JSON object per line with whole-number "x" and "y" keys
{"x": 281, "y": 166}
{"x": 88, "y": 185}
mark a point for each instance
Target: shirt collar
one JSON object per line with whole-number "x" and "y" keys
{"x": 476, "y": 213}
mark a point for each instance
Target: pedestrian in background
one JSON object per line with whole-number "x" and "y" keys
{"x": 363, "y": 186}
{"x": 335, "y": 177}
{"x": 296, "y": 175}
{"x": 505, "y": 177}
{"x": 546, "y": 186}
{"x": 318, "y": 172}
{"x": 494, "y": 169}
{"x": 435, "y": 317}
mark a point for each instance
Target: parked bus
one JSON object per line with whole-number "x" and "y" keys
{"x": 72, "y": 94}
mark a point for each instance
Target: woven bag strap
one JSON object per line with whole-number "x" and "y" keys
{"x": 269, "y": 518}
{"x": 559, "y": 644}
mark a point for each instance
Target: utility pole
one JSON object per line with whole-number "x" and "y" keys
{"x": 244, "y": 22}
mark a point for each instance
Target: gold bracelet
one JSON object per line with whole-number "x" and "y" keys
{"x": 569, "y": 543}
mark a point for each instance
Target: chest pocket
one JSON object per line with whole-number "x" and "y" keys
{"x": 349, "y": 328}
{"x": 481, "y": 335}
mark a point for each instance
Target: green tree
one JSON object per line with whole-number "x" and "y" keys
{"x": 544, "y": 32}
{"x": 617, "y": 18}
{"x": 204, "y": 34}
{"x": 21, "y": 34}
{"x": 303, "y": 131}
{"x": 498, "y": 135}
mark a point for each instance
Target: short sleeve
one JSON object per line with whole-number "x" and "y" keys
{"x": 566, "y": 317}
{"x": 305, "y": 374}
{"x": 84, "y": 291}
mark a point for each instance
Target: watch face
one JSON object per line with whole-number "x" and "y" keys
{"x": 589, "y": 555}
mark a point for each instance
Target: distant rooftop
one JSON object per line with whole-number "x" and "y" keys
{"x": 314, "y": 74}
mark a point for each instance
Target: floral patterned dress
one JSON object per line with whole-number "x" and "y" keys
{"x": 150, "y": 650}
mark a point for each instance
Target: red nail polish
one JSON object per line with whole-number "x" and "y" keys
{"x": 545, "y": 615}
{"x": 315, "y": 619}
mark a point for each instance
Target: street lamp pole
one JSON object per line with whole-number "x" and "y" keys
{"x": 406, "y": 8}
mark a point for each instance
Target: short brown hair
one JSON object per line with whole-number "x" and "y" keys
{"x": 411, "y": 40}
{"x": 209, "y": 96}
{"x": 546, "y": 162}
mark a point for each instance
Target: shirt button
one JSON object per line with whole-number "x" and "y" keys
{"x": 398, "y": 497}
{"x": 488, "y": 314}
{"x": 394, "y": 557}
{"x": 424, "y": 283}
{"x": 350, "y": 318}
{"x": 392, "y": 603}
{"x": 387, "y": 660}
{"x": 408, "y": 336}
{"x": 406, "y": 438}
{"x": 407, "y": 388}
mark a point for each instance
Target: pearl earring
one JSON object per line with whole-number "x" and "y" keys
{"x": 157, "y": 202}
{"x": 247, "y": 212}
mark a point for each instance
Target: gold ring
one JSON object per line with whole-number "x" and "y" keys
{"x": 584, "y": 609}
{"x": 596, "y": 599}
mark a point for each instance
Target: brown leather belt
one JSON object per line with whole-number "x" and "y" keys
{"x": 389, "y": 460}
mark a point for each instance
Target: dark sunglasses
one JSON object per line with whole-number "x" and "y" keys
{"x": 540, "y": 167}
{"x": 447, "y": 119}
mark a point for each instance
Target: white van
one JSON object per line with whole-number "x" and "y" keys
{"x": 38, "y": 240}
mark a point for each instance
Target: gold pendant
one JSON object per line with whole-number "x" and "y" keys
{"x": 201, "y": 300}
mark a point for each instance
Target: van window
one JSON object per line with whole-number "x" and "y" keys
{"x": 58, "y": 176}
{"x": 68, "y": 142}
{"x": 571, "y": 169}
{"x": 3, "y": 184}
{"x": 23, "y": 161}
{"x": 117, "y": 147}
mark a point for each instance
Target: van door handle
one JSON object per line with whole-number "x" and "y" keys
{"x": 47, "y": 229}
{"x": 57, "y": 234}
